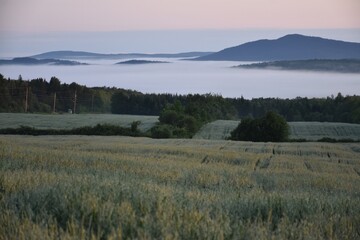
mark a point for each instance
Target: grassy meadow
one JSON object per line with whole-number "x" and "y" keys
{"x": 82, "y": 187}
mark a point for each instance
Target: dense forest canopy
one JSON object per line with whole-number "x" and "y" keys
{"x": 38, "y": 95}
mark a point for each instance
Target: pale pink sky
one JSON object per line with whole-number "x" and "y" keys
{"x": 118, "y": 15}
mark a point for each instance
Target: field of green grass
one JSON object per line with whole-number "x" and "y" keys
{"x": 217, "y": 130}
{"x": 82, "y": 187}
{"x": 311, "y": 131}
{"x": 69, "y": 121}
{"x": 318, "y": 130}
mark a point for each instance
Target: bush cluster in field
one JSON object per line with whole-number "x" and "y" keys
{"x": 99, "y": 129}
{"x": 74, "y": 187}
{"x": 176, "y": 121}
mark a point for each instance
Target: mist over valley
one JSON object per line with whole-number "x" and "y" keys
{"x": 183, "y": 77}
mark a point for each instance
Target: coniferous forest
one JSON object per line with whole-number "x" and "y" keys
{"x": 42, "y": 96}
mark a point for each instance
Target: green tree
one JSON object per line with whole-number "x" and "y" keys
{"x": 169, "y": 116}
{"x": 274, "y": 127}
{"x": 270, "y": 128}
{"x": 54, "y": 84}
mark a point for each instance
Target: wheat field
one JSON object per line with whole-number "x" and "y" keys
{"x": 83, "y": 187}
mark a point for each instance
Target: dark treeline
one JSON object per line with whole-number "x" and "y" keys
{"x": 41, "y": 94}
{"x": 331, "y": 109}
{"x": 205, "y": 107}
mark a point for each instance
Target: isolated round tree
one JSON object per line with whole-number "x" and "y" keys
{"x": 270, "y": 128}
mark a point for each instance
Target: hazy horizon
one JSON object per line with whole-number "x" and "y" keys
{"x": 19, "y": 44}
{"x": 158, "y": 26}
{"x": 132, "y": 26}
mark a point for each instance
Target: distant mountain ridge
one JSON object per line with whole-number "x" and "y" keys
{"x": 325, "y": 65}
{"x": 90, "y": 55}
{"x": 289, "y": 47}
{"x": 139, "y": 62}
{"x": 33, "y": 61}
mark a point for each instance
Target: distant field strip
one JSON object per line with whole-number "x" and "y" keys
{"x": 217, "y": 130}
{"x": 90, "y": 187}
{"x": 69, "y": 121}
{"x": 312, "y": 131}
{"x": 317, "y": 130}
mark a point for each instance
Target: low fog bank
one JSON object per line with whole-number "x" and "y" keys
{"x": 184, "y": 77}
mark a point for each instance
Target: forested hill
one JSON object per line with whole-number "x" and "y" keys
{"x": 138, "y": 62}
{"x": 90, "y": 55}
{"x": 33, "y": 61}
{"x": 40, "y": 95}
{"x": 289, "y": 47}
{"x": 334, "y": 65}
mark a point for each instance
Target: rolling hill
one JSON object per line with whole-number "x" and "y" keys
{"x": 90, "y": 55}
{"x": 329, "y": 65}
{"x": 33, "y": 61}
{"x": 289, "y": 47}
{"x": 136, "y": 62}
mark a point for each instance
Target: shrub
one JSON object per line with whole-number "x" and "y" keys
{"x": 161, "y": 131}
{"x": 190, "y": 124}
{"x": 178, "y": 123}
{"x": 99, "y": 129}
{"x": 135, "y": 126}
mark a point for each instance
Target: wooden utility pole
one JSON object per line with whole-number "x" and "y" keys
{"x": 26, "y": 97}
{"x": 75, "y": 98}
{"x": 92, "y": 103}
{"x": 54, "y": 104}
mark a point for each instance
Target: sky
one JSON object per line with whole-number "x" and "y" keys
{"x": 117, "y": 15}
{"x": 36, "y": 25}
